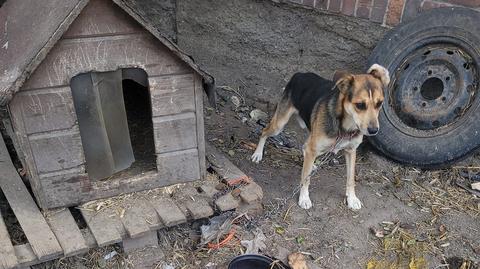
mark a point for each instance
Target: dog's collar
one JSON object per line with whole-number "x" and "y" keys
{"x": 343, "y": 136}
{"x": 347, "y": 135}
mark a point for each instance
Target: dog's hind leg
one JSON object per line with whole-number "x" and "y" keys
{"x": 352, "y": 201}
{"x": 282, "y": 114}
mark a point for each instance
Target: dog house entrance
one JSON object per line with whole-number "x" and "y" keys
{"x": 115, "y": 121}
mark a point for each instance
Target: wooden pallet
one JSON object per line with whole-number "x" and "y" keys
{"x": 55, "y": 234}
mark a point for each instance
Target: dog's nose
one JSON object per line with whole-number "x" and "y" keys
{"x": 372, "y": 130}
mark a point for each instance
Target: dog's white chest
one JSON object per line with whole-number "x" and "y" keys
{"x": 346, "y": 143}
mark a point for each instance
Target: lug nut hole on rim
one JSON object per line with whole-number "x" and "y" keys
{"x": 431, "y": 89}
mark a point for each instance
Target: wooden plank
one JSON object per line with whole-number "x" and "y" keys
{"x": 70, "y": 57}
{"x": 26, "y": 256}
{"x": 89, "y": 238}
{"x": 102, "y": 226}
{"x": 7, "y": 252}
{"x": 36, "y": 229}
{"x": 168, "y": 211}
{"x": 175, "y": 132}
{"x": 200, "y": 125}
{"x": 102, "y": 18}
{"x": 179, "y": 166}
{"x": 67, "y": 232}
{"x": 229, "y": 172}
{"x": 55, "y": 151}
{"x": 30, "y": 36}
{"x": 45, "y": 110}
{"x": 149, "y": 239}
{"x": 172, "y": 94}
{"x": 134, "y": 221}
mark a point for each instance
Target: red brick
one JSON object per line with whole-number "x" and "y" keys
{"x": 432, "y": 4}
{"x": 467, "y": 3}
{"x": 379, "y": 9}
{"x": 348, "y": 7}
{"x": 395, "y": 12}
{"x": 321, "y": 4}
{"x": 363, "y": 8}
{"x": 335, "y": 5}
{"x": 310, "y": 3}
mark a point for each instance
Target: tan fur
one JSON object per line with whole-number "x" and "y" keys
{"x": 354, "y": 89}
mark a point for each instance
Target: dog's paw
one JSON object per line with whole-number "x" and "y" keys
{"x": 354, "y": 203}
{"x": 304, "y": 202}
{"x": 257, "y": 157}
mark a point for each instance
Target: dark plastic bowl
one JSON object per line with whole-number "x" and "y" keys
{"x": 251, "y": 261}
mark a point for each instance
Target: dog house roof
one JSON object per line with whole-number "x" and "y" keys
{"x": 30, "y": 28}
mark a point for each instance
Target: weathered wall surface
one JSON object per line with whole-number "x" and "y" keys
{"x": 161, "y": 13}
{"x": 258, "y": 45}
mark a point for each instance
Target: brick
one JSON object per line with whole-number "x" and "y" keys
{"x": 379, "y": 10}
{"x": 411, "y": 9}
{"x": 432, "y": 4}
{"x": 348, "y": 7}
{"x": 466, "y": 3}
{"x": 251, "y": 193}
{"x": 199, "y": 209}
{"x": 254, "y": 209}
{"x": 310, "y": 3}
{"x": 321, "y": 4}
{"x": 209, "y": 190}
{"x": 149, "y": 239}
{"x": 335, "y": 5}
{"x": 168, "y": 211}
{"x": 363, "y": 9}
{"x": 146, "y": 258}
{"x": 395, "y": 11}
{"x": 226, "y": 202}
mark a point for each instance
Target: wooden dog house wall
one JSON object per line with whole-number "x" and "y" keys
{"x": 47, "y": 136}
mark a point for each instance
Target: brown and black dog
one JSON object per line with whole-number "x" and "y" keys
{"x": 337, "y": 114}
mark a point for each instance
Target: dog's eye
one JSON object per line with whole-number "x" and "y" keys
{"x": 361, "y": 106}
{"x": 378, "y": 104}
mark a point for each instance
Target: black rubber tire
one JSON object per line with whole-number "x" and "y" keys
{"x": 436, "y": 151}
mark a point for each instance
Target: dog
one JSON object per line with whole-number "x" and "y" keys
{"x": 337, "y": 115}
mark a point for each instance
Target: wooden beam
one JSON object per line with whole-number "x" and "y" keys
{"x": 7, "y": 253}
{"x": 102, "y": 227}
{"x": 41, "y": 238}
{"x": 67, "y": 232}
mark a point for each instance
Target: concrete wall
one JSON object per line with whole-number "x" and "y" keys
{"x": 258, "y": 45}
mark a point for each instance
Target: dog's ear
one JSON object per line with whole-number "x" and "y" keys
{"x": 380, "y": 73}
{"x": 339, "y": 74}
{"x": 344, "y": 83}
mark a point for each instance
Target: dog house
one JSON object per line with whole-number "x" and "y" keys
{"x": 99, "y": 103}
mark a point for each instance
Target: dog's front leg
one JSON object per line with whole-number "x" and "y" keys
{"x": 309, "y": 155}
{"x": 352, "y": 200}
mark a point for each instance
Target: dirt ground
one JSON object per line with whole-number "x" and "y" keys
{"x": 436, "y": 220}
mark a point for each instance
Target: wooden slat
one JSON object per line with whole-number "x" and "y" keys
{"x": 102, "y": 227}
{"x": 175, "y": 132}
{"x": 168, "y": 211}
{"x": 47, "y": 109}
{"x": 56, "y": 151}
{"x": 200, "y": 125}
{"x": 7, "y": 253}
{"x": 36, "y": 229}
{"x": 134, "y": 221}
{"x": 179, "y": 166}
{"x": 25, "y": 255}
{"x": 104, "y": 53}
{"x": 172, "y": 94}
{"x": 102, "y": 18}
{"x": 222, "y": 165}
{"x": 67, "y": 232}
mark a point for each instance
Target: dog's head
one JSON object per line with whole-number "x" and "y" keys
{"x": 362, "y": 96}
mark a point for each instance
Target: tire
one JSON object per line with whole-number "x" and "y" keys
{"x": 429, "y": 117}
